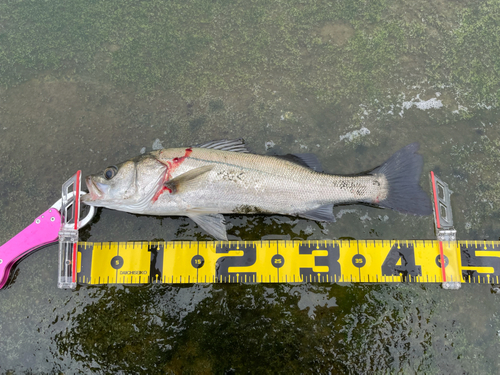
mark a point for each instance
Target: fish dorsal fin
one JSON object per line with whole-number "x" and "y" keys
{"x": 306, "y": 160}
{"x": 322, "y": 213}
{"x": 234, "y": 145}
{"x": 214, "y": 224}
{"x": 187, "y": 181}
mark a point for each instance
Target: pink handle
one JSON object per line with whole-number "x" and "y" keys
{"x": 44, "y": 230}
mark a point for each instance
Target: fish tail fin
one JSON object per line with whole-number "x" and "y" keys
{"x": 402, "y": 172}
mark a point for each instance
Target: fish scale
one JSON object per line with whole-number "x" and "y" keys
{"x": 267, "y": 183}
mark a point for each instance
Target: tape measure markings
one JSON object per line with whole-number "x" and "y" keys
{"x": 480, "y": 258}
{"x": 287, "y": 261}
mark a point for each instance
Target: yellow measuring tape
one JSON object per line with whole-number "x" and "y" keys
{"x": 370, "y": 261}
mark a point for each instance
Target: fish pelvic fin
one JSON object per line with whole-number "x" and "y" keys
{"x": 214, "y": 224}
{"x": 402, "y": 172}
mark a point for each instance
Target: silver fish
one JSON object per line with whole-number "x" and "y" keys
{"x": 222, "y": 177}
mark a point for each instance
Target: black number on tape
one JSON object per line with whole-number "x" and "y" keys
{"x": 246, "y": 260}
{"x": 471, "y": 259}
{"x": 331, "y": 260}
{"x": 197, "y": 261}
{"x": 156, "y": 261}
{"x": 358, "y": 260}
{"x": 407, "y": 267}
{"x": 277, "y": 260}
{"x": 117, "y": 262}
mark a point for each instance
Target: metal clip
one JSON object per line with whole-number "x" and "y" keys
{"x": 442, "y": 208}
{"x": 443, "y": 221}
{"x": 68, "y": 234}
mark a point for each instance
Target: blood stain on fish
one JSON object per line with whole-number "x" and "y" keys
{"x": 171, "y": 167}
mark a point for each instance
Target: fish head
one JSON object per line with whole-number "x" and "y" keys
{"x": 128, "y": 186}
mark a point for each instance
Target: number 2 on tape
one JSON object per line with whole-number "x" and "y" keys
{"x": 248, "y": 258}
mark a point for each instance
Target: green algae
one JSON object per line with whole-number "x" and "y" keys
{"x": 201, "y": 46}
{"x": 315, "y": 54}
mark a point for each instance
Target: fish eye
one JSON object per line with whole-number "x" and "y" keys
{"x": 110, "y": 172}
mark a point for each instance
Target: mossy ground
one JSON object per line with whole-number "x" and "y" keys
{"x": 330, "y": 51}
{"x": 84, "y": 84}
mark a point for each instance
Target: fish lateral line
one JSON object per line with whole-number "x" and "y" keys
{"x": 226, "y": 163}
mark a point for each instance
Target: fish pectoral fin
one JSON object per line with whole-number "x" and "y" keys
{"x": 322, "y": 213}
{"x": 187, "y": 181}
{"x": 214, "y": 224}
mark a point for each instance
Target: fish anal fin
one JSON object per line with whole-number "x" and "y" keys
{"x": 322, "y": 213}
{"x": 214, "y": 224}
{"x": 187, "y": 181}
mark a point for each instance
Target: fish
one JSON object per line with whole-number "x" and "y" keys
{"x": 213, "y": 179}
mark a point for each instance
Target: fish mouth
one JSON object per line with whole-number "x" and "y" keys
{"x": 94, "y": 191}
